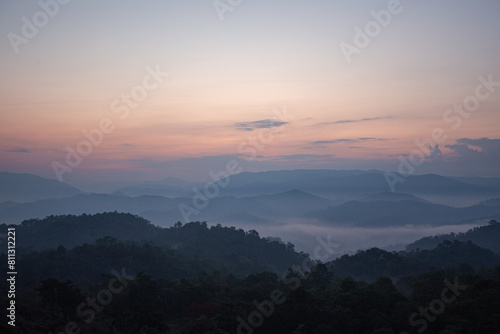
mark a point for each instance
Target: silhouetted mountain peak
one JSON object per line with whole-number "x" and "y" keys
{"x": 23, "y": 187}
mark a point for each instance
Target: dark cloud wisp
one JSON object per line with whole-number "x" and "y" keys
{"x": 262, "y": 124}
{"x": 353, "y": 121}
{"x": 19, "y": 150}
{"x": 346, "y": 140}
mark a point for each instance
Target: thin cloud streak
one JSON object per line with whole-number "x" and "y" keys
{"x": 19, "y": 150}
{"x": 262, "y": 124}
{"x": 347, "y": 140}
{"x": 345, "y": 121}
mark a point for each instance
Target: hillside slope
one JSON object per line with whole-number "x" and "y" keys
{"x": 19, "y": 187}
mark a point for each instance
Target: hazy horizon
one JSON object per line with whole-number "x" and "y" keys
{"x": 179, "y": 89}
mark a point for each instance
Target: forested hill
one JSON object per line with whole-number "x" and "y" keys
{"x": 191, "y": 278}
{"x": 374, "y": 263}
{"x": 70, "y": 231}
{"x": 227, "y": 249}
{"x": 485, "y": 236}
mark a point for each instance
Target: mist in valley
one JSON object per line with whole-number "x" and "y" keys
{"x": 326, "y": 243}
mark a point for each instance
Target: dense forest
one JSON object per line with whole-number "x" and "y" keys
{"x": 484, "y": 236}
{"x": 117, "y": 273}
{"x": 240, "y": 250}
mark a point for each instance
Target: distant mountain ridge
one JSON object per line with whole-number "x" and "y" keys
{"x": 321, "y": 182}
{"x": 166, "y": 211}
{"x": 390, "y": 213}
{"x": 169, "y": 187}
{"x": 335, "y": 197}
{"x": 392, "y": 197}
{"x": 293, "y": 202}
{"x": 22, "y": 187}
{"x": 333, "y": 182}
{"x": 87, "y": 204}
{"x": 490, "y": 182}
{"x": 490, "y": 202}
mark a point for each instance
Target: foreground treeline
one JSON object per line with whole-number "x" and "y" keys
{"x": 443, "y": 302}
{"x": 116, "y": 273}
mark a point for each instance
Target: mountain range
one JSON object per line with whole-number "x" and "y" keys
{"x": 331, "y": 197}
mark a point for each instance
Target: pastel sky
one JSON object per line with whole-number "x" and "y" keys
{"x": 228, "y": 78}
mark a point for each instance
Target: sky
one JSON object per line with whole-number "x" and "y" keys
{"x": 98, "y": 93}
